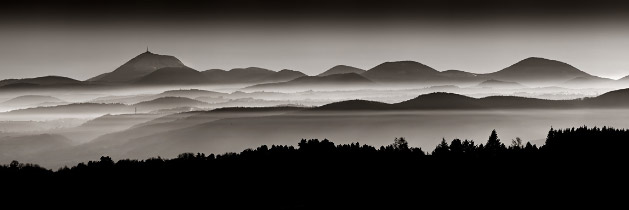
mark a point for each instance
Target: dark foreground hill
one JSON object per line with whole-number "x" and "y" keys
{"x": 618, "y": 99}
{"x": 582, "y": 163}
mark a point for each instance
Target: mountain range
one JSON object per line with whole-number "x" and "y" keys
{"x": 451, "y": 101}
{"x": 154, "y": 69}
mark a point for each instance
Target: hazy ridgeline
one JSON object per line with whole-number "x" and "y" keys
{"x": 576, "y": 163}
{"x": 155, "y": 105}
{"x": 171, "y": 127}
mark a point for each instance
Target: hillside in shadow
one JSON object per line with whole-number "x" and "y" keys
{"x": 452, "y": 101}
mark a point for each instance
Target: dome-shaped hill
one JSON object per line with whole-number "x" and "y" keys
{"x": 51, "y": 80}
{"x": 342, "y": 69}
{"x": 536, "y": 69}
{"x": 439, "y": 100}
{"x": 139, "y": 66}
{"x": 403, "y": 71}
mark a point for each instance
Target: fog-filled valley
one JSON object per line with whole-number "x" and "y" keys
{"x": 154, "y": 105}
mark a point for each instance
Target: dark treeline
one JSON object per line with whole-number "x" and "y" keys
{"x": 320, "y": 173}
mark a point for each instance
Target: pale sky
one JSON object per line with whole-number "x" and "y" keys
{"x": 78, "y": 49}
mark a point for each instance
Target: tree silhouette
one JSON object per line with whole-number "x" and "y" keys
{"x": 456, "y": 147}
{"x": 400, "y": 144}
{"x": 442, "y": 149}
{"x": 516, "y": 143}
{"x": 282, "y": 176}
{"x": 493, "y": 145}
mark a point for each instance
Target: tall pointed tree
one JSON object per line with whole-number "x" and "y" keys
{"x": 493, "y": 144}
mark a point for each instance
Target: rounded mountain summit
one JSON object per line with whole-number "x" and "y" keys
{"x": 138, "y": 67}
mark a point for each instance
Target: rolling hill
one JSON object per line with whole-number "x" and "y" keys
{"x": 190, "y": 93}
{"x": 451, "y": 101}
{"x": 283, "y": 75}
{"x": 401, "y": 71}
{"x": 30, "y": 100}
{"x": 341, "y": 69}
{"x": 492, "y": 83}
{"x": 38, "y": 81}
{"x": 72, "y": 110}
{"x": 457, "y": 74}
{"x": 538, "y": 70}
{"x": 330, "y": 81}
{"x": 168, "y": 103}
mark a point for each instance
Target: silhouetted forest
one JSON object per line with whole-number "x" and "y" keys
{"x": 575, "y": 162}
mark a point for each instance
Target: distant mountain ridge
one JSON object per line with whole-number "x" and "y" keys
{"x": 153, "y": 69}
